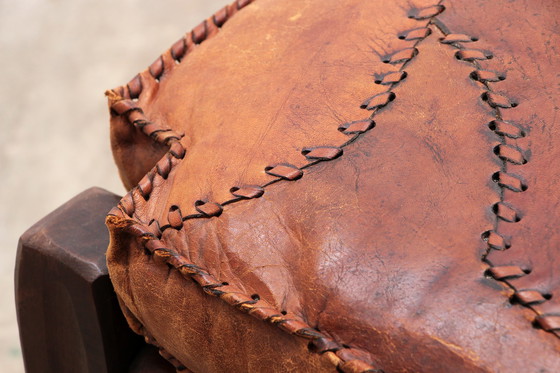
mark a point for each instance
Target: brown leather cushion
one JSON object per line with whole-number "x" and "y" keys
{"x": 351, "y": 184}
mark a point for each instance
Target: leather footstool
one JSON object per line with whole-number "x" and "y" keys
{"x": 351, "y": 185}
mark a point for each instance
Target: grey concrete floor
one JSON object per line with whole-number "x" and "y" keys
{"x": 57, "y": 59}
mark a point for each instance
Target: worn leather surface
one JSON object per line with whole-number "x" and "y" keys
{"x": 427, "y": 243}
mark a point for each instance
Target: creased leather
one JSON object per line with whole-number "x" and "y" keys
{"x": 384, "y": 245}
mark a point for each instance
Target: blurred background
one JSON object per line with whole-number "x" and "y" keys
{"x": 57, "y": 59}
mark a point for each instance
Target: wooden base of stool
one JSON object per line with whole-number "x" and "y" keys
{"x": 68, "y": 315}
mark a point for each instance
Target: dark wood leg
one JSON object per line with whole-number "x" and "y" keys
{"x": 68, "y": 315}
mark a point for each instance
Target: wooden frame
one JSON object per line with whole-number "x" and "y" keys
{"x": 68, "y": 315}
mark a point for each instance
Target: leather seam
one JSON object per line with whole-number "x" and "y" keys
{"x": 494, "y": 240}
{"x": 124, "y": 100}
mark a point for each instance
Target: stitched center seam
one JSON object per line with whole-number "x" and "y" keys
{"x": 508, "y": 154}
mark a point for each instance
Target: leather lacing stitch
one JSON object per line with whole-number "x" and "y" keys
{"x": 354, "y": 129}
{"x": 507, "y": 154}
{"x": 124, "y": 99}
{"x": 342, "y": 356}
{"x": 135, "y": 115}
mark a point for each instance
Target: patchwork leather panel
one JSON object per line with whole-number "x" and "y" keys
{"x": 373, "y": 178}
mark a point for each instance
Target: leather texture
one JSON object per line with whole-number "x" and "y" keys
{"x": 351, "y": 185}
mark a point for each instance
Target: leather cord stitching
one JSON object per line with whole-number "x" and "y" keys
{"x": 505, "y": 180}
{"x": 123, "y": 100}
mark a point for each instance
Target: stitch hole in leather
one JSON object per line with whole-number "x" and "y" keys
{"x": 487, "y": 76}
{"x": 495, "y": 241}
{"x": 488, "y": 274}
{"x": 548, "y": 322}
{"x": 357, "y": 127}
{"x": 529, "y": 297}
{"x": 415, "y": 34}
{"x": 390, "y": 78}
{"x": 505, "y": 212}
{"x": 543, "y": 298}
{"x": 400, "y": 56}
{"x": 255, "y": 297}
{"x": 519, "y": 272}
{"x": 225, "y": 283}
{"x": 472, "y": 55}
{"x": 514, "y": 184}
{"x": 175, "y": 218}
{"x": 284, "y": 312}
{"x": 457, "y": 38}
{"x": 535, "y": 324}
{"x": 506, "y": 129}
{"x": 311, "y": 346}
{"x": 514, "y": 156}
{"x": 425, "y": 13}
{"x": 378, "y": 101}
